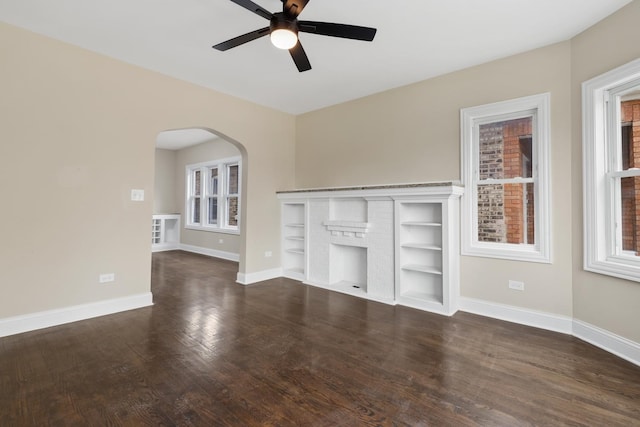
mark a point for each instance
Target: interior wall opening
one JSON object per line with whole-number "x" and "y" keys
{"x": 198, "y": 172}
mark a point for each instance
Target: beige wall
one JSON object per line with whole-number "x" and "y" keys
{"x": 610, "y": 303}
{"x": 412, "y": 134}
{"x": 164, "y": 183}
{"x": 78, "y": 133}
{"x": 212, "y": 150}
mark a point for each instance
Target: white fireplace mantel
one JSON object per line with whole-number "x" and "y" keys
{"x": 347, "y": 228}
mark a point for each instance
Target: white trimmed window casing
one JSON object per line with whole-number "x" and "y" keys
{"x": 207, "y": 206}
{"x": 537, "y": 108}
{"x": 603, "y": 171}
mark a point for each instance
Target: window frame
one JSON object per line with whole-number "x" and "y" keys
{"x": 209, "y": 194}
{"x": 603, "y": 248}
{"x": 222, "y": 220}
{"x": 538, "y": 107}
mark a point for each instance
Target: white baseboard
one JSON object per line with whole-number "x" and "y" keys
{"x": 45, "y": 319}
{"x": 230, "y": 256}
{"x": 608, "y": 341}
{"x": 258, "y": 276}
{"x": 523, "y": 316}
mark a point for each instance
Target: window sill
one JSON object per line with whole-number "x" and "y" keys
{"x": 510, "y": 254}
{"x": 213, "y": 229}
{"x": 614, "y": 269}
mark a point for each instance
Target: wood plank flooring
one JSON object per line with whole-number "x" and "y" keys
{"x": 211, "y": 352}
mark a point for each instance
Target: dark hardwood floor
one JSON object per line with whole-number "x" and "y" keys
{"x": 211, "y": 352}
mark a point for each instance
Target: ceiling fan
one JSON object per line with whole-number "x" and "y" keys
{"x": 284, "y": 28}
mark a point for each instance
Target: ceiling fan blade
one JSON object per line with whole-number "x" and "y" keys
{"x": 300, "y": 57}
{"x": 337, "y": 30}
{"x": 245, "y": 38}
{"x": 251, "y": 6}
{"x": 293, "y": 8}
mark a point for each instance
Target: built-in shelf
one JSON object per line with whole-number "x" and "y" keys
{"x": 424, "y": 278}
{"x": 165, "y": 232}
{"x": 421, "y": 246}
{"x": 422, "y": 268}
{"x": 395, "y": 244}
{"x": 421, "y": 297}
{"x": 294, "y": 239}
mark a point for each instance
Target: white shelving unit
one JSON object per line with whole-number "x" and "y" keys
{"x": 294, "y": 259}
{"x": 165, "y": 232}
{"x": 423, "y": 255}
{"x": 395, "y": 244}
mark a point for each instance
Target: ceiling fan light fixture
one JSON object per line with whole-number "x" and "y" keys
{"x": 284, "y": 38}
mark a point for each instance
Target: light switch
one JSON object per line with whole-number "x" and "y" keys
{"x": 137, "y": 195}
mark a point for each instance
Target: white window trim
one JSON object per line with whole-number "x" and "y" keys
{"x": 599, "y": 208}
{"x": 470, "y": 118}
{"x": 222, "y": 165}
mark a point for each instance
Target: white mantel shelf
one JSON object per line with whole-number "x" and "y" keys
{"x": 396, "y": 244}
{"x": 391, "y": 190}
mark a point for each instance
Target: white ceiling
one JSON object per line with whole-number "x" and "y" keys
{"x": 416, "y": 40}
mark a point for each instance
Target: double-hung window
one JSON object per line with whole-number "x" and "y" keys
{"x": 505, "y": 168}
{"x": 213, "y": 195}
{"x": 611, "y": 172}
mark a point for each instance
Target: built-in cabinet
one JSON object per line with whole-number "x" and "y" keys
{"x": 165, "y": 232}
{"x": 393, "y": 244}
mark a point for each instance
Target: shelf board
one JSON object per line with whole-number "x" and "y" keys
{"x": 422, "y": 296}
{"x": 422, "y": 268}
{"x": 422, "y": 223}
{"x": 299, "y": 238}
{"x": 421, "y": 246}
{"x": 295, "y": 251}
{"x": 296, "y": 225}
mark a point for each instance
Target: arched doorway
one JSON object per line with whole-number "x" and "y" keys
{"x": 201, "y": 175}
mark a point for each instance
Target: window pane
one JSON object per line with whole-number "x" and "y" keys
{"x": 195, "y": 211}
{"x": 233, "y": 179}
{"x": 505, "y": 149}
{"x": 232, "y": 211}
{"x": 506, "y": 213}
{"x": 630, "y": 131}
{"x": 196, "y": 182}
{"x": 213, "y": 210}
{"x": 630, "y": 193}
{"x": 213, "y": 181}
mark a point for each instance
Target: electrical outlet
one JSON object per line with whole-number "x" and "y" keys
{"x": 106, "y": 278}
{"x": 268, "y": 254}
{"x": 514, "y": 284}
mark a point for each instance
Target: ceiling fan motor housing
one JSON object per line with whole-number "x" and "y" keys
{"x": 280, "y": 22}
